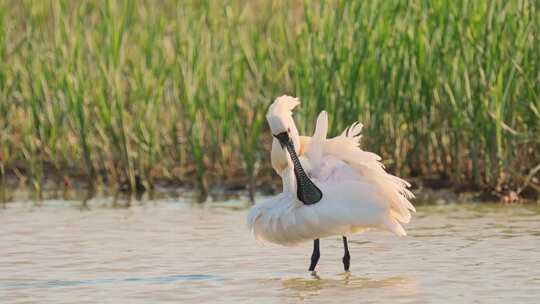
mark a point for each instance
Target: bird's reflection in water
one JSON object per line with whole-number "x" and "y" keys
{"x": 346, "y": 284}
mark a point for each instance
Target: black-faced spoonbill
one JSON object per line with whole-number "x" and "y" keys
{"x": 330, "y": 187}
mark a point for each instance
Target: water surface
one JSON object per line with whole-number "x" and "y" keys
{"x": 170, "y": 250}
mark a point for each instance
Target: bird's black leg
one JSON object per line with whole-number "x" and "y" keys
{"x": 346, "y": 256}
{"x": 315, "y": 255}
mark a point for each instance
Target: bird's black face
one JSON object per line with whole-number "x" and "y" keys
{"x": 306, "y": 191}
{"x": 283, "y": 138}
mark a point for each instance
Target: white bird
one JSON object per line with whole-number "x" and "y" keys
{"x": 330, "y": 187}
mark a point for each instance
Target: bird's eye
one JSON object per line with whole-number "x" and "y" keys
{"x": 289, "y": 130}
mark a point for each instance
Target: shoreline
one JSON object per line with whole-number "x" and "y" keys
{"x": 428, "y": 190}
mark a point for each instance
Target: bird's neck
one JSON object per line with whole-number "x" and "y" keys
{"x": 288, "y": 180}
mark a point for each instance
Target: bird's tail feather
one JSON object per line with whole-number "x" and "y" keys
{"x": 393, "y": 225}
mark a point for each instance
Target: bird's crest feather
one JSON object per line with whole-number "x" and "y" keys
{"x": 283, "y": 105}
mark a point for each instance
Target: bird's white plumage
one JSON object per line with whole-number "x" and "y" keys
{"x": 358, "y": 193}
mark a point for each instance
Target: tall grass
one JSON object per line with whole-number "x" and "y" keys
{"x": 177, "y": 90}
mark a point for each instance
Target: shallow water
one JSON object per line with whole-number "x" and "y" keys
{"x": 170, "y": 250}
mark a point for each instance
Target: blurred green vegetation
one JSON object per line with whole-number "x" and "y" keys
{"x": 177, "y": 90}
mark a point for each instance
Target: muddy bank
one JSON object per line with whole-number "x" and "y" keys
{"x": 16, "y": 185}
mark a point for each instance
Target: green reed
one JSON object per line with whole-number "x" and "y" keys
{"x": 111, "y": 90}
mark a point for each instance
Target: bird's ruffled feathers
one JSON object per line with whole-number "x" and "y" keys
{"x": 392, "y": 188}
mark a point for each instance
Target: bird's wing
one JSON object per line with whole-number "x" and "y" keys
{"x": 367, "y": 165}
{"x": 314, "y": 150}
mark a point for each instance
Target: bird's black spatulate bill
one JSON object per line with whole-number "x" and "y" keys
{"x": 306, "y": 191}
